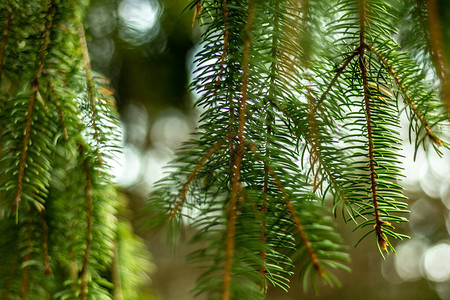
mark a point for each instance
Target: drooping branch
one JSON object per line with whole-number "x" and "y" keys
{"x": 298, "y": 224}
{"x": 236, "y": 169}
{"x": 406, "y": 95}
{"x": 35, "y": 87}
{"x": 303, "y": 236}
{"x": 367, "y": 104}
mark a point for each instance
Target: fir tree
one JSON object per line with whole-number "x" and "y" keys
{"x": 301, "y": 102}
{"x": 62, "y": 237}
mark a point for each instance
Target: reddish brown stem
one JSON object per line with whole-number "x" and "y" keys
{"x": 437, "y": 49}
{"x": 367, "y": 103}
{"x": 35, "y": 87}
{"x": 236, "y": 169}
{"x": 182, "y": 194}
{"x": 303, "y": 236}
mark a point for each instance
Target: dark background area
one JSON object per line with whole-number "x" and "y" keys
{"x": 146, "y": 48}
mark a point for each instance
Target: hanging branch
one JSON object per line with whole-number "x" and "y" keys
{"x": 367, "y": 103}
{"x": 406, "y": 95}
{"x": 231, "y": 223}
{"x": 35, "y": 87}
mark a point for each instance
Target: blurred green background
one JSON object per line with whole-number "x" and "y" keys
{"x": 146, "y": 48}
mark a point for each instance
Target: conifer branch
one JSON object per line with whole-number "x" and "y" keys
{"x": 367, "y": 103}
{"x": 90, "y": 87}
{"x": 182, "y": 194}
{"x": 298, "y": 224}
{"x": 338, "y": 71}
{"x": 406, "y": 95}
{"x": 235, "y": 186}
{"x": 5, "y": 38}
{"x": 35, "y": 87}
{"x": 89, "y": 222}
{"x": 437, "y": 49}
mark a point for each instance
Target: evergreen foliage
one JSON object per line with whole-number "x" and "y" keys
{"x": 62, "y": 237}
{"x": 301, "y": 102}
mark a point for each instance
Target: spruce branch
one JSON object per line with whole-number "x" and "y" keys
{"x": 35, "y": 89}
{"x": 406, "y": 95}
{"x": 235, "y": 185}
{"x": 373, "y": 177}
{"x": 312, "y": 253}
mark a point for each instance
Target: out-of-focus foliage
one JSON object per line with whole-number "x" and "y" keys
{"x": 61, "y": 236}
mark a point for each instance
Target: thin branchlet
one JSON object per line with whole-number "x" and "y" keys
{"x": 182, "y": 194}
{"x": 409, "y": 101}
{"x": 367, "y": 103}
{"x": 235, "y": 185}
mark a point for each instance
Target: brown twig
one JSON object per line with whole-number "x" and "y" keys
{"x": 35, "y": 87}
{"x": 367, "y": 103}
{"x": 303, "y": 236}
{"x": 236, "y": 170}
{"x": 437, "y": 49}
{"x": 182, "y": 194}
